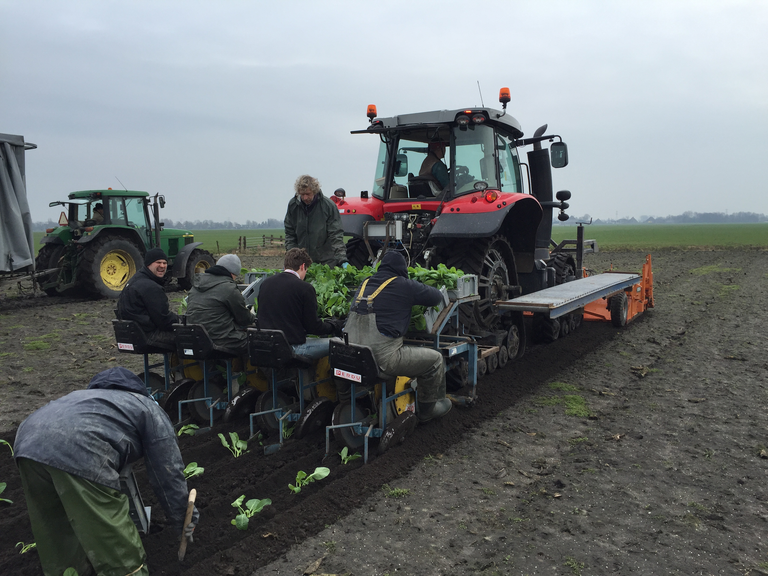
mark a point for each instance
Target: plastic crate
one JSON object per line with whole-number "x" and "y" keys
{"x": 465, "y": 286}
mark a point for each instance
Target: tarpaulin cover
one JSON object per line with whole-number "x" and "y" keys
{"x": 16, "y": 243}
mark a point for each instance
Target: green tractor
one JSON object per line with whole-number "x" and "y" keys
{"x": 101, "y": 241}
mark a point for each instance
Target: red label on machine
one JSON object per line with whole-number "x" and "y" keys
{"x": 124, "y": 346}
{"x": 347, "y": 375}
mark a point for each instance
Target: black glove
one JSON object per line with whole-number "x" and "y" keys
{"x": 337, "y": 325}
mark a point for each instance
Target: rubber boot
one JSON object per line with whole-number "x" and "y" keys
{"x": 429, "y": 410}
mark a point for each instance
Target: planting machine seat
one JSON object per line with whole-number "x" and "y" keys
{"x": 132, "y": 340}
{"x": 206, "y": 399}
{"x": 270, "y": 349}
{"x": 355, "y": 365}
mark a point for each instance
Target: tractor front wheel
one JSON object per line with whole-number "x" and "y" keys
{"x": 107, "y": 265}
{"x": 199, "y": 261}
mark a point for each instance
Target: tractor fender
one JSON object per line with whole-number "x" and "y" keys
{"x": 51, "y": 240}
{"x": 180, "y": 261}
{"x": 124, "y": 232}
{"x": 524, "y": 216}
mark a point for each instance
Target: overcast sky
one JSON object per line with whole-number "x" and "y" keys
{"x": 221, "y": 105}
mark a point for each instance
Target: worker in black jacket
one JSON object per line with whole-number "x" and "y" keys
{"x": 287, "y": 303}
{"x": 70, "y": 454}
{"x": 379, "y": 318}
{"x": 143, "y": 300}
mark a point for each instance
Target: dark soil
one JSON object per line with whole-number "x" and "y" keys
{"x": 664, "y": 474}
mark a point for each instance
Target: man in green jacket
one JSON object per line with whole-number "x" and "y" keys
{"x": 312, "y": 222}
{"x": 216, "y": 302}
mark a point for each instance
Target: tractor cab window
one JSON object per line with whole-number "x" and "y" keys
{"x": 475, "y": 158}
{"x": 136, "y": 216}
{"x": 509, "y": 166}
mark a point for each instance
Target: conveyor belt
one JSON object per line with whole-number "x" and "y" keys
{"x": 564, "y": 298}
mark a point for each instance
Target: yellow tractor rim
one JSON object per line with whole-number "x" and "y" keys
{"x": 116, "y": 269}
{"x": 201, "y": 267}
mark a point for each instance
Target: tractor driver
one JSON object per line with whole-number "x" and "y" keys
{"x": 312, "y": 222}
{"x": 217, "y": 303}
{"x": 434, "y": 166}
{"x": 143, "y": 300}
{"x": 289, "y": 304}
{"x": 98, "y": 213}
{"x": 379, "y": 317}
{"x": 70, "y": 454}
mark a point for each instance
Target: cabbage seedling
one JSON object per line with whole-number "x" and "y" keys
{"x": 2, "y": 489}
{"x": 188, "y": 429}
{"x": 302, "y": 479}
{"x": 192, "y": 470}
{"x": 7, "y": 444}
{"x": 25, "y": 547}
{"x": 238, "y": 447}
{"x": 346, "y": 457}
{"x": 251, "y": 507}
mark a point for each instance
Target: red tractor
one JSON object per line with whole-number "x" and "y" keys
{"x": 481, "y": 209}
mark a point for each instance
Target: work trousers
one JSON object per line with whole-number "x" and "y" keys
{"x": 80, "y": 524}
{"x": 394, "y": 358}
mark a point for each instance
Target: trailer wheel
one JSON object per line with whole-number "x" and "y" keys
{"x": 107, "y": 264}
{"x": 482, "y": 367}
{"x": 546, "y": 329}
{"x": 503, "y": 356}
{"x": 199, "y": 261}
{"x": 619, "y": 309}
{"x": 493, "y": 363}
{"x": 516, "y": 338}
{"x": 565, "y": 326}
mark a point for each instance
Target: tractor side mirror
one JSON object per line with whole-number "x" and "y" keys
{"x": 559, "y": 153}
{"x": 401, "y": 165}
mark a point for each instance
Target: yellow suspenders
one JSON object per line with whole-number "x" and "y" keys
{"x": 370, "y": 298}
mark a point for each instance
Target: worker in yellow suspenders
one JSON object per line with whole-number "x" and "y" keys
{"x": 379, "y": 318}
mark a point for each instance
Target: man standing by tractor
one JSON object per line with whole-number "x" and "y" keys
{"x": 379, "y": 318}
{"x": 312, "y": 222}
{"x": 216, "y": 302}
{"x": 289, "y": 304}
{"x": 144, "y": 301}
{"x": 70, "y": 454}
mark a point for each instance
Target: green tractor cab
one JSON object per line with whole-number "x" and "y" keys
{"x": 101, "y": 241}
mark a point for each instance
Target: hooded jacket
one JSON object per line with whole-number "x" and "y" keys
{"x": 143, "y": 300}
{"x": 95, "y": 433}
{"x": 393, "y": 304}
{"x": 216, "y": 302}
{"x": 316, "y": 228}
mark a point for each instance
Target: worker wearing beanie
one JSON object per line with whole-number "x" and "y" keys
{"x": 217, "y": 303}
{"x": 143, "y": 300}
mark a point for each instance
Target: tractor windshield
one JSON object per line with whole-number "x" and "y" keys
{"x": 427, "y": 162}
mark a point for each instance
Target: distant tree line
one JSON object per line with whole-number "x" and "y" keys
{"x": 684, "y": 218}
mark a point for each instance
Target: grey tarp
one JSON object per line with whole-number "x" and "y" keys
{"x": 16, "y": 242}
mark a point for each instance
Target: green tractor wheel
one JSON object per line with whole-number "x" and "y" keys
{"x": 199, "y": 261}
{"x": 107, "y": 265}
{"x": 48, "y": 259}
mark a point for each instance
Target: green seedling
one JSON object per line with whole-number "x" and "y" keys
{"x": 7, "y": 444}
{"x": 70, "y": 572}
{"x": 302, "y": 479}
{"x": 25, "y": 547}
{"x": 2, "y": 489}
{"x": 252, "y": 507}
{"x": 188, "y": 429}
{"x": 346, "y": 457}
{"x": 192, "y": 469}
{"x": 238, "y": 447}
{"x": 288, "y": 431}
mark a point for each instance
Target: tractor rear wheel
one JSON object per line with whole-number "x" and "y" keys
{"x": 493, "y": 261}
{"x": 357, "y": 252}
{"x": 48, "y": 258}
{"x": 107, "y": 264}
{"x": 199, "y": 261}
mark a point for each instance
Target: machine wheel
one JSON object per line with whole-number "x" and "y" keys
{"x": 48, "y": 258}
{"x": 107, "y": 264}
{"x": 156, "y": 382}
{"x": 172, "y": 399}
{"x": 515, "y": 344}
{"x": 546, "y": 329}
{"x": 503, "y": 356}
{"x": 619, "y": 309}
{"x": 397, "y": 431}
{"x": 493, "y": 363}
{"x": 316, "y": 416}
{"x": 343, "y": 415}
{"x": 493, "y": 261}
{"x": 565, "y": 325}
{"x": 357, "y": 252}
{"x": 199, "y": 261}
{"x": 198, "y": 410}
{"x": 458, "y": 376}
{"x": 565, "y": 268}
{"x": 242, "y": 404}
{"x": 269, "y": 423}
{"x": 482, "y": 367}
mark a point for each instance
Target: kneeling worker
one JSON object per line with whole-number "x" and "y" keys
{"x": 289, "y": 304}
{"x": 217, "y": 303}
{"x": 379, "y": 317}
{"x": 70, "y": 454}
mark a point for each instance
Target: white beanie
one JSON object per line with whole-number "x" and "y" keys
{"x": 231, "y": 263}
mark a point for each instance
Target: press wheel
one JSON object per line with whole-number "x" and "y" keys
{"x": 343, "y": 415}
{"x": 269, "y": 423}
{"x": 242, "y": 404}
{"x": 398, "y": 431}
{"x": 199, "y": 410}
{"x": 316, "y": 416}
